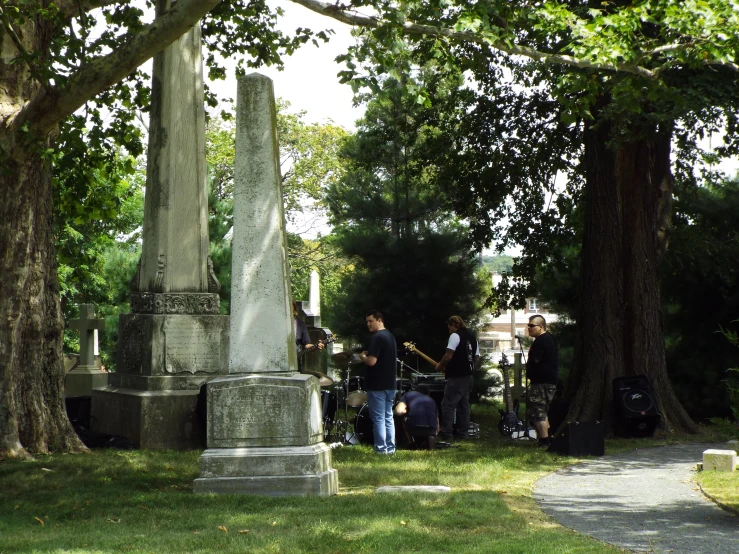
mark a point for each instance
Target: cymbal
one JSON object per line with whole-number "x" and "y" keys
{"x": 349, "y": 358}
{"x": 323, "y": 379}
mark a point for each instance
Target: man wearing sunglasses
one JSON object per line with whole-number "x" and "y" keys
{"x": 542, "y": 371}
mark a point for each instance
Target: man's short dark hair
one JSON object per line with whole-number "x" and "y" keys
{"x": 424, "y": 388}
{"x": 538, "y": 319}
{"x": 377, "y": 314}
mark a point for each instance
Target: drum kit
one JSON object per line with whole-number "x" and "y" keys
{"x": 345, "y": 413}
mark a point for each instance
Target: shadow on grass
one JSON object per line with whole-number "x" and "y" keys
{"x": 138, "y": 501}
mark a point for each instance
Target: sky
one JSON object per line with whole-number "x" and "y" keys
{"x": 309, "y": 80}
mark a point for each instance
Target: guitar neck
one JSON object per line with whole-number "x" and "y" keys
{"x": 415, "y": 350}
{"x": 425, "y": 357}
{"x": 507, "y": 389}
{"x": 315, "y": 346}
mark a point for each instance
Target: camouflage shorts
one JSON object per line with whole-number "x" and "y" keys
{"x": 540, "y": 396}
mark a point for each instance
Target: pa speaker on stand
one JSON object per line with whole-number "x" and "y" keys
{"x": 635, "y": 405}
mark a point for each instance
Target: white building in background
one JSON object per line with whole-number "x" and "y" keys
{"x": 499, "y": 333}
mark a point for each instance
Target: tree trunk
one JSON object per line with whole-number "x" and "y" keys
{"x": 33, "y": 417}
{"x": 32, "y": 411}
{"x": 628, "y": 191}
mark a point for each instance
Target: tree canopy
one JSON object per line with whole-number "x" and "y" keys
{"x": 59, "y": 57}
{"x": 621, "y": 80}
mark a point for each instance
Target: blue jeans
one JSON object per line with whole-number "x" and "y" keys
{"x": 380, "y": 404}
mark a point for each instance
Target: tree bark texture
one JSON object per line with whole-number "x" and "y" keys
{"x": 33, "y": 417}
{"x": 32, "y": 411}
{"x": 628, "y": 191}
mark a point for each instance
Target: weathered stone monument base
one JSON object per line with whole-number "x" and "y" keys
{"x": 265, "y": 437}
{"x": 149, "y": 419}
{"x": 276, "y": 471}
{"x": 163, "y": 360}
{"x": 83, "y": 379}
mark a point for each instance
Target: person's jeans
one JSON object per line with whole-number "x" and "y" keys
{"x": 380, "y": 404}
{"x": 456, "y": 397}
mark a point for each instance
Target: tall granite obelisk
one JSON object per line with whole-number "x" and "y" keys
{"x": 173, "y": 340}
{"x": 265, "y": 434}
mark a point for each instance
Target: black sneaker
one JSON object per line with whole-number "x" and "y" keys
{"x": 545, "y": 442}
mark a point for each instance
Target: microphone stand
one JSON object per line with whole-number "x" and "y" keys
{"x": 526, "y": 426}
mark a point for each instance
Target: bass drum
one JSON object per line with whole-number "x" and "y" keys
{"x": 363, "y": 427}
{"x": 328, "y": 404}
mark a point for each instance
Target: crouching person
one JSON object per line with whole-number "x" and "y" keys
{"x": 420, "y": 418}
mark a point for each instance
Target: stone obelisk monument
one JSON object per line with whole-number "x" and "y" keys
{"x": 265, "y": 434}
{"x": 173, "y": 340}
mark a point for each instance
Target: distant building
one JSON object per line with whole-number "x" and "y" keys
{"x": 498, "y": 334}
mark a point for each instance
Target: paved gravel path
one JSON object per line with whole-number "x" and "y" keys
{"x": 643, "y": 501}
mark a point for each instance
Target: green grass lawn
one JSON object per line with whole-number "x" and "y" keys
{"x": 142, "y": 501}
{"x": 723, "y": 488}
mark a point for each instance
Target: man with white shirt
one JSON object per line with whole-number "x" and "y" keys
{"x": 462, "y": 357}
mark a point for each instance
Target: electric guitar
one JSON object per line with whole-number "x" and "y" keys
{"x": 412, "y": 348}
{"x": 509, "y": 422}
{"x": 329, "y": 339}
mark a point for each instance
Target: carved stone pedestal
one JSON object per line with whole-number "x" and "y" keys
{"x": 265, "y": 437}
{"x": 163, "y": 360}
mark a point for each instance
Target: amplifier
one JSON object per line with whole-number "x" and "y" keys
{"x": 435, "y": 381}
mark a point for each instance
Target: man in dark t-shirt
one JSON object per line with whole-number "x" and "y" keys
{"x": 542, "y": 371}
{"x": 379, "y": 380}
{"x": 420, "y": 417}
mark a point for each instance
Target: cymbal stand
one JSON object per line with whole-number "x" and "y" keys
{"x": 340, "y": 429}
{"x": 402, "y": 365}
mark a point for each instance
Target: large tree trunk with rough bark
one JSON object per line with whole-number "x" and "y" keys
{"x": 628, "y": 195}
{"x": 32, "y": 411}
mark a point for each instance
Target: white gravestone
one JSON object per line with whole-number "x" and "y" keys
{"x": 262, "y": 335}
{"x": 264, "y": 430}
{"x": 719, "y": 460}
{"x": 87, "y": 374}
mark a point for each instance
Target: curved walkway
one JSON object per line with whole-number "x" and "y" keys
{"x": 643, "y": 501}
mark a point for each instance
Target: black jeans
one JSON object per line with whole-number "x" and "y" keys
{"x": 456, "y": 397}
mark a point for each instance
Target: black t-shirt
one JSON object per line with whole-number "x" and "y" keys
{"x": 542, "y": 367}
{"x": 422, "y": 410}
{"x": 381, "y": 376}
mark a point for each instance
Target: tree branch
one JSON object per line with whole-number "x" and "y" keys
{"x": 52, "y": 105}
{"x": 72, "y": 8}
{"x": 338, "y": 13}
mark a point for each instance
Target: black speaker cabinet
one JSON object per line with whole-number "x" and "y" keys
{"x": 580, "y": 438}
{"x": 636, "y": 409}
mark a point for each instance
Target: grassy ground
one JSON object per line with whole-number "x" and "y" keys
{"x": 139, "y": 501}
{"x": 723, "y": 488}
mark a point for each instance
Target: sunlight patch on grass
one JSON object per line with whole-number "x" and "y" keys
{"x": 722, "y": 487}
